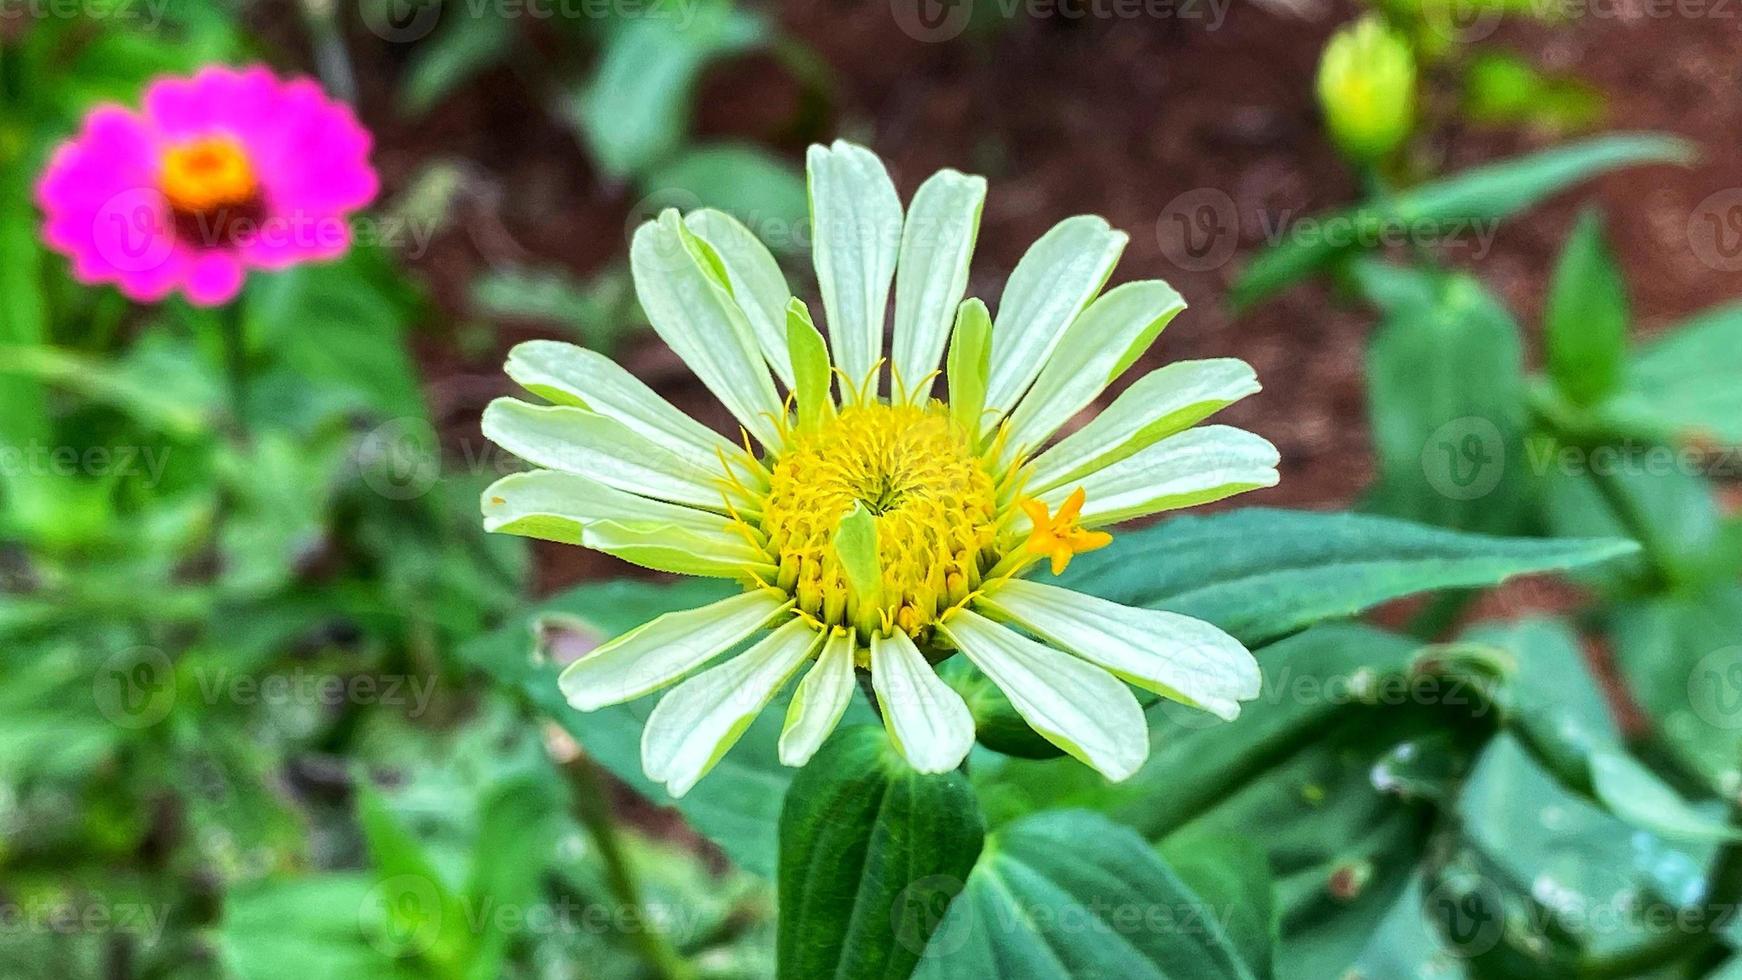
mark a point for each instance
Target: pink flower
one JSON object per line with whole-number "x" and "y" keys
{"x": 228, "y": 170}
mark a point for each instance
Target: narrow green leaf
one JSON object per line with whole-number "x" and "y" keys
{"x": 1682, "y": 386}
{"x": 855, "y": 544}
{"x": 871, "y": 853}
{"x": 1261, "y": 573}
{"x": 1445, "y": 208}
{"x": 1585, "y": 318}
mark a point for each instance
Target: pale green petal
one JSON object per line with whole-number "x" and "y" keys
{"x": 695, "y": 725}
{"x": 970, "y": 364}
{"x": 656, "y": 653}
{"x": 810, "y": 367}
{"x": 927, "y": 720}
{"x": 820, "y": 701}
{"x": 1112, "y": 333}
{"x": 1075, "y": 705}
{"x": 756, "y": 281}
{"x": 569, "y": 375}
{"x": 937, "y": 242}
{"x": 1195, "y": 467}
{"x": 856, "y": 235}
{"x": 1163, "y": 402}
{"x": 1177, "y": 657}
{"x": 1058, "y": 276}
{"x": 576, "y": 440}
{"x": 571, "y": 509}
{"x": 682, "y": 285}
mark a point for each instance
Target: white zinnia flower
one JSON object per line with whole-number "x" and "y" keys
{"x": 873, "y": 532}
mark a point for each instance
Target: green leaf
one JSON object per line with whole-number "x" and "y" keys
{"x": 464, "y": 48}
{"x": 738, "y": 805}
{"x": 1585, "y": 317}
{"x": 296, "y": 928}
{"x": 1261, "y": 573}
{"x": 1233, "y": 873}
{"x": 1682, "y": 386}
{"x": 423, "y": 916}
{"x": 761, "y": 190}
{"x": 1447, "y": 206}
{"x": 868, "y": 846}
{"x": 1447, "y": 402}
{"x": 1301, "y": 762}
{"x": 1071, "y": 894}
{"x": 634, "y": 111}
{"x": 1681, "y": 655}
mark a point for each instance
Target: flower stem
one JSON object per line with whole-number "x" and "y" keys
{"x": 593, "y": 809}
{"x": 236, "y": 367}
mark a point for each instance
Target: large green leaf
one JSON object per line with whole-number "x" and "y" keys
{"x": 1263, "y": 573}
{"x": 1682, "y": 386}
{"x": 296, "y": 928}
{"x": 1321, "y": 761}
{"x": 1447, "y": 403}
{"x": 1445, "y": 208}
{"x": 1681, "y": 655}
{"x": 738, "y": 805}
{"x": 870, "y": 851}
{"x": 1071, "y": 894}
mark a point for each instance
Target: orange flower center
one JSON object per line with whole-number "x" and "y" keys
{"x": 207, "y": 175}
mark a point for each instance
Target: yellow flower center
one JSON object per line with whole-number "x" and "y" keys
{"x": 207, "y": 175}
{"x": 934, "y": 504}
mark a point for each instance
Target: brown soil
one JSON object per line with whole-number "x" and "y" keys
{"x": 1108, "y": 116}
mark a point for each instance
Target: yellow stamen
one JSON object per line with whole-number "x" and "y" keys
{"x": 1058, "y": 537}
{"x": 932, "y": 499}
{"x": 206, "y": 175}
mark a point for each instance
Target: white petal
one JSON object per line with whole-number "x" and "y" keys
{"x": 756, "y": 281}
{"x": 690, "y": 305}
{"x": 656, "y": 653}
{"x": 1055, "y": 279}
{"x": 937, "y": 242}
{"x": 569, "y": 375}
{"x": 694, "y": 726}
{"x": 1077, "y": 706}
{"x": 1195, "y": 467}
{"x": 1163, "y": 402}
{"x": 576, "y": 440}
{"x": 819, "y": 702}
{"x": 856, "y": 234}
{"x": 1112, "y": 333}
{"x": 565, "y": 507}
{"x": 1178, "y": 657}
{"x": 927, "y": 720}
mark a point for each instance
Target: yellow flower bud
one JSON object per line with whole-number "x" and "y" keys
{"x": 1367, "y": 89}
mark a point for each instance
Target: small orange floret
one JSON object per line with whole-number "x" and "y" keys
{"x": 1058, "y": 537}
{"x": 204, "y": 175}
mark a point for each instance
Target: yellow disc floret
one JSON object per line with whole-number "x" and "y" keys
{"x": 934, "y": 504}
{"x": 206, "y": 175}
